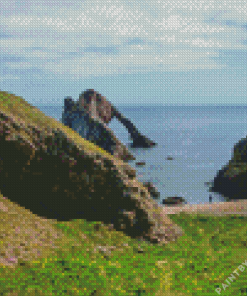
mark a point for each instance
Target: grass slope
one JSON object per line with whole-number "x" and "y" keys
{"x": 11, "y": 105}
{"x": 107, "y": 262}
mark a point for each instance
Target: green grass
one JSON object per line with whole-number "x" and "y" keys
{"x": 196, "y": 264}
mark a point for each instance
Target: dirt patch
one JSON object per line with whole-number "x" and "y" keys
{"x": 26, "y": 236}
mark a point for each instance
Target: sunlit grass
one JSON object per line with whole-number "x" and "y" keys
{"x": 29, "y": 115}
{"x": 196, "y": 264}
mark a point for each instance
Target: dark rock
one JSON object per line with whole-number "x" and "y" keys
{"x": 90, "y": 116}
{"x": 139, "y": 140}
{"x": 140, "y": 163}
{"x": 152, "y": 189}
{"x": 91, "y": 123}
{"x": 169, "y": 158}
{"x": 175, "y": 200}
{"x": 231, "y": 180}
{"x": 46, "y": 168}
{"x": 96, "y": 105}
{"x": 240, "y": 151}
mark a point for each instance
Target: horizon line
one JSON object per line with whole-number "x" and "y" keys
{"x": 154, "y": 105}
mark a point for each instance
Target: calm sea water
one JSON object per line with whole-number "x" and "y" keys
{"x": 200, "y": 139}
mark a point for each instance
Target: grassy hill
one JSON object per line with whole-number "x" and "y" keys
{"x": 88, "y": 258}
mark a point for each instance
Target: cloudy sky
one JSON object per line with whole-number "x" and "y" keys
{"x": 132, "y": 52}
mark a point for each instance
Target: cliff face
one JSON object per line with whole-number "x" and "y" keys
{"x": 90, "y": 116}
{"x": 51, "y": 170}
{"x": 231, "y": 181}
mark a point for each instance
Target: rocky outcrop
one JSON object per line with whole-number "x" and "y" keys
{"x": 152, "y": 190}
{"x": 139, "y": 141}
{"x": 240, "y": 151}
{"x": 174, "y": 200}
{"x": 49, "y": 169}
{"x": 90, "y": 116}
{"x": 169, "y": 158}
{"x": 97, "y": 105}
{"x": 231, "y": 180}
{"x": 84, "y": 119}
{"x": 141, "y": 163}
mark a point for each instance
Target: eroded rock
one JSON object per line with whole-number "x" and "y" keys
{"x": 152, "y": 189}
{"x": 88, "y": 124}
{"x": 139, "y": 140}
{"x": 231, "y": 180}
{"x": 90, "y": 116}
{"x": 141, "y": 163}
{"x": 173, "y": 200}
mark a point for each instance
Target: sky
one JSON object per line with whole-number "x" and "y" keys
{"x": 148, "y": 52}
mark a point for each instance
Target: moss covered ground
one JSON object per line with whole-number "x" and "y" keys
{"x": 198, "y": 263}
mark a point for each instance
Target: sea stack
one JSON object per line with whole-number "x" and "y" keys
{"x": 231, "y": 180}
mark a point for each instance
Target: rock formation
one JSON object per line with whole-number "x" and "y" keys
{"x": 95, "y": 108}
{"x": 49, "y": 169}
{"x": 240, "y": 151}
{"x": 169, "y": 158}
{"x": 152, "y": 190}
{"x": 85, "y": 121}
{"x": 96, "y": 105}
{"x": 231, "y": 180}
{"x": 139, "y": 141}
{"x": 141, "y": 163}
{"x": 174, "y": 200}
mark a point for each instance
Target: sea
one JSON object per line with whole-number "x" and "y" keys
{"x": 199, "y": 139}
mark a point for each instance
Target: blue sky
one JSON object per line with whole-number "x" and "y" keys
{"x": 132, "y": 52}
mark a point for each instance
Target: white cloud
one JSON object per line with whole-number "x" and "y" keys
{"x": 63, "y": 27}
{"x": 10, "y": 77}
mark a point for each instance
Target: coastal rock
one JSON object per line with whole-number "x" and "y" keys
{"x": 174, "y": 200}
{"x": 47, "y": 168}
{"x": 169, "y": 158}
{"x": 139, "y": 140}
{"x": 240, "y": 151}
{"x": 231, "y": 180}
{"x": 96, "y": 105}
{"x": 152, "y": 189}
{"x": 100, "y": 110}
{"x": 91, "y": 124}
{"x": 140, "y": 163}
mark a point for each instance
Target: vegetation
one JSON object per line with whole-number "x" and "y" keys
{"x": 13, "y": 105}
{"x": 196, "y": 264}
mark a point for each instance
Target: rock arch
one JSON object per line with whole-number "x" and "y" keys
{"x": 98, "y": 107}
